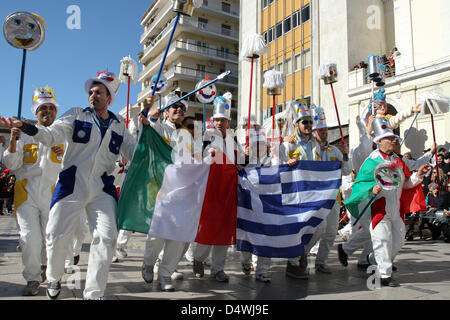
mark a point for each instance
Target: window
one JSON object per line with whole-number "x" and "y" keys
{"x": 288, "y": 66}
{"x": 298, "y": 62}
{"x": 279, "y": 30}
{"x": 226, "y": 30}
{"x": 202, "y": 47}
{"x": 264, "y": 3}
{"x": 271, "y": 1}
{"x": 305, "y": 13}
{"x": 306, "y": 59}
{"x": 265, "y": 37}
{"x": 226, "y": 7}
{"x": 287, "y": 25}
{"x": 279, "y": 67}
{"x": 270, "y": 33}
{"x": 295, "y": 20}
{"x": 202, "y": 23}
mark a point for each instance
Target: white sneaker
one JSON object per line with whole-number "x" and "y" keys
{"x": 177, "y": 275}
{"x": 121, "y": 253}
{"x": 115, "y": 259}
{"x": 165, "y": 283}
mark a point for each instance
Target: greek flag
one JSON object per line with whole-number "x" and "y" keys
{"x": 280, "y": 207}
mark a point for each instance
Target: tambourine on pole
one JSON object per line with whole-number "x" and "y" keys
{"x": 26, "y": 31}
{"x": 328, "y": 73}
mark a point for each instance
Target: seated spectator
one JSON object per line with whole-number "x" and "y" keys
{"x": 433, "y": 179}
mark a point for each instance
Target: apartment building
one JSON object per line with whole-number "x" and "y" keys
{"x": 205, "y": 44}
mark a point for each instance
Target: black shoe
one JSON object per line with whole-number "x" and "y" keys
{"x": 394, "y": 268}
{"x": 53, "y": 290}
{"x": 343, "y": 257}
{"x": 76, "y": 259}
{"x": 410, "y": 238}
{"x": 389, "y": 282}
{"x": 362, "y": 266}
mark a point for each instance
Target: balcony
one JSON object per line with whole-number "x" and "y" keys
{"x": 358, "y": 75}
{"x": 179, "y": 72}
{"x": 216, "y": 9}
{"x": 188, "y": 24}
{"x": 186, "y": 49}
{"x": 161, "y": 16}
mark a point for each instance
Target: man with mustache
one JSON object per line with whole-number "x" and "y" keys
{"x": 36, "y": 167}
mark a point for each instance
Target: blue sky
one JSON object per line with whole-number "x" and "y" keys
{"x": 110, "y": 30}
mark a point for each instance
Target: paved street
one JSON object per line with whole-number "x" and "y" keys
{"x": 423, "y": 273}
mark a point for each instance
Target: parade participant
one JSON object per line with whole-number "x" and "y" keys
{"x": 36, "y": 167}
{"x": 213, "y": 145}
{"x": 173, "y": 250}
{"x": 73, "y": 256}
{"x": 258, "y": 155}
{"x": 304, "y": 147}
{"x": 387, "y": 227}
{"x": 95, "y": 138}
{"x": 381, "y": 110}
{"x": 327, "y": 230}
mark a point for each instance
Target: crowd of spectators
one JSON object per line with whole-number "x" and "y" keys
{"x": 436, "y": 188}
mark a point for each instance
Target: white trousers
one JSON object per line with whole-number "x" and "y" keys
{"x": 388, "y": 237}
{"x": 360, "y": 238}
{"x": 173, "y": 252}
{"x": 262, "y": 264}
{"x": 123, "y": 239}
{"x": 218, "y": 256}
{"x": 326, "y": 230}
{"x": 32, "y": 223}
{"x": 80, "y": 233}
{"x": 101, "y": 211}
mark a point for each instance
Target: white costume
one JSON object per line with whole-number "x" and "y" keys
{"x": 173, "y": 250}
{"x": 85, "y": 184}
{"x": 36, "y": 168}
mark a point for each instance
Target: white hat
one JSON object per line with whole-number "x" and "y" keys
{"x": 170, "y": 98}
{"x": 42, "y": 96}
{"x": 244, "y": 120}
{"x": 301, "y": 111}
{"x": 109, "y": 79}
{"x": 320, "y": 120}
{"x": 382, "y": 129}
{"x": 222, "y": 107}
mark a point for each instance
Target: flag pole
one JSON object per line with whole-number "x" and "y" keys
{"x": 128, "y": 102}
{"x": 204, "y": 117}
{"x": 273, "y": 120}
{"x": 435, "y": 154}
{"x": 337, "y": 114}
{"x": 22, "y": 78}
{"x": 247, "y": 140}
{"x": 177, "y": 19}
{"x": 365, "y": 209}
{"x": 409, "y": 130}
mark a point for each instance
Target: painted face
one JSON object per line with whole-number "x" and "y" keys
{"x": 388, "y": 176}
{"x": 24, "y": 30}
{"x": 162, "y": 84}
{"x": 206, "y": 95}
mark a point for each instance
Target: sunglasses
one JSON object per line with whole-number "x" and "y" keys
{"x": 306, "y": 122}
{"x": 181, "y": 106}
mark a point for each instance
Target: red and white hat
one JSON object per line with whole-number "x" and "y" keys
{"x": 42, "y": 96}
{"x": 109, "y": 79}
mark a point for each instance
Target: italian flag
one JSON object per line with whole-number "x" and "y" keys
{"x": 412, "y": 200}
{"x": 182, "y": 202}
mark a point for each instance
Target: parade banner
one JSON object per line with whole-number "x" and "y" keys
{"x": 281, "y": 207}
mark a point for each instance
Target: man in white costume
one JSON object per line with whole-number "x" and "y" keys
{"x": 95, "y": 138}
{"x": 36, "y": 167}
{"x": 173, "y": 250}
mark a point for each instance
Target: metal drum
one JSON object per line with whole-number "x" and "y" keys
{"x": 185, "y": 7}
{"x": 374, "y": 67}
{"x": 332, "y": 78}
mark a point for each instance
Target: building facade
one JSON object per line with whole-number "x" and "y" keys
{"x": 303, "y": 34}
{"x": 205, "y": 44}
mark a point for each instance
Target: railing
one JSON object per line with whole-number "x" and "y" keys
{"x": 210, "y": 27}
{"x": 219, "y": 8}
{"x": 192, "y": 47}
{"x": 161, "y": 15}
{"x": 388, "y": 73}
{"x": 200, "y": 74}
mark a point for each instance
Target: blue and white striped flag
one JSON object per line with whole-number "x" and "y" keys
{"x": 279, "y": 208}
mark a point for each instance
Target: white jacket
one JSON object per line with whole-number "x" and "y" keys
{"x": 89, "y": 160}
